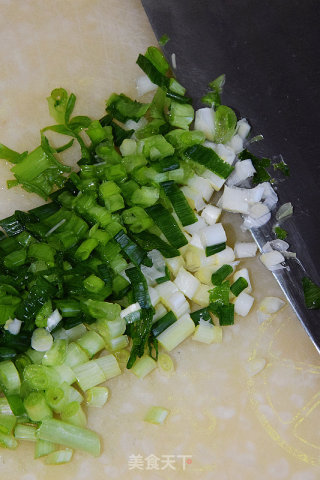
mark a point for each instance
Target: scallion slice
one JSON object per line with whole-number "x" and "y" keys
{"x": 221, "y": 274}
{"x": 179, "y": 202}
{"x": 149, "y": 241}
{"x": 202, "y": 314}
{"x": 226, "y": 314}
{"x": 164, "y": 322}
{"x": 139, "y": 286}
{"x": 238, "y": 286}
{"x": 133, "y": 251}
{"x": 167, "y": 224}
{"x": 72, "y": 436}
{"x": 209, "y": 159}
{"x": 212, "y": 249}
{"x": 156, "y": 415}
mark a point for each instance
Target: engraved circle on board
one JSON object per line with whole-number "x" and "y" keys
{"x": 285, "y": 395}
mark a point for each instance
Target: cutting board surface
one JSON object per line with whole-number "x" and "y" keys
{"x": 231, "y": 425}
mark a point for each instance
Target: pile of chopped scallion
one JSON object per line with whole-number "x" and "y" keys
{"x": 125, "y": 261}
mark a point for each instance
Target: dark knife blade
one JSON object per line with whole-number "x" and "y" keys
{"x": 269, "y": 52}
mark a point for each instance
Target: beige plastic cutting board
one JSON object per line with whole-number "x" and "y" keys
{"x": 231, "y": 426}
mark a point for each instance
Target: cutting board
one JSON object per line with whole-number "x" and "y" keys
{"x": 224, "y": 424}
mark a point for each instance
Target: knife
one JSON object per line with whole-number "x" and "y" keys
{"x": 269, "y": 53}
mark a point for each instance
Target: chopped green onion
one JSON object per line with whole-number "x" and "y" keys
{"x": 122, "y": 357}
{"x": 56, "y": 355}
{"x": 68, "y": 308}
{"x": 35, "y": 357}
{"x": 311, "y": 293}
{"x": 72, "y": 436}
{"x": 134, "y": 252}
{"x": 43, "y": 448}
{"x": 40, "y": 377}
{"x": 91, "y": 342}
{"x": 143, "y": 366}
{"x": 176, "y": 87}
{"x": 149, "y": 241}
{"x": 25, "y": 432}
{"x": 8, "y": 154}
{"x": 280, "y": 233}
{"x": 41, "y": 340}
{"x": 204, "y": 333}
{"x": 283, "y": 167}
{"x": 58, "y": 457}
{"x": 181, "y": 114}
{"x": 201, "y": 315}
{"x": 115, "y": 328}
{"x": 75, "y": 355}
{"x": 8, "y": 441}
{"x": 219, "y": 295}
{"x": 164, "y": 278}
{"x": 212, "y": 249}
{"x": 73, "y": 413}
{"x": 238, "y": 286}
{"x": 260, "y": 165}
{"x": 164, "y": 322}
{"x": 179, "y": 202}
{"x": 123, "y": 108}
{"x": 139, "y": 332}
{"x": 165, "y": 363}
{"x": 5, "y": 407}
{"x": 145, "y": 196}
{"x": 57, "y": 397}
{"x": 156, "y": 415}
{"x": 109, "y": 366}
{"x": 152, "y": 72}
{"x": 7, "y": 423}
{"x": 137, "y": 219}
{"x": 89, "y": 375}
{"x": 167, "y": 164}
{"x": 9, "y": 378}
{"x": 65, "y": 373}
{"x": 157, "y": 147}
{"x": 225, "y": 124}
{"x": 226, "y": 314}
{"x": 167, "y": 224}
{"x": 221, "y": 274}
{"x": 213, "y": 96}
{"x": 176, "y": 333}
{"x": 97, "y": 396}
{"x": 37, "y": 407}
{"x": 85, "y": 249}
{"x": 15, "y": 259}
{"x": 97, "y": 309}
{"x": 139, "y": 286}
{"x": 209, "y": 159}
{"x": 164, "y": 40}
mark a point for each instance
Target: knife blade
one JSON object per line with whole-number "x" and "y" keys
{"x": 268, "y": 51}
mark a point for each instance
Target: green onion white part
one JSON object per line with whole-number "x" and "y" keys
{"x": 41, "y": 340}
{"x": 13, "y": 326}
{"x": 245, "y": 249}
{"x": 204, "y": 121}
{"x": 284, "y": 212}
{"x": 243, "y": 304}
{"x": 156, "y": 415}
{"x": 272, "y": 260}
{"x": 268, "y": 307}
{"x": 97, "y": 396}
{"x": 53, "y": 320}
